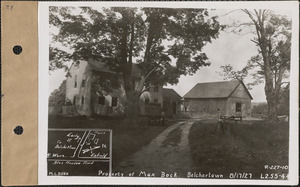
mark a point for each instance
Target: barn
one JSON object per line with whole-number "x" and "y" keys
{"x": 211, "y": 99}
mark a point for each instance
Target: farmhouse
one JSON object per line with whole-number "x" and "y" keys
{"x": 230, "y": 98}
{"x": 86, "y": 97}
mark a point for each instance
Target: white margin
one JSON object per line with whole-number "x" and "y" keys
{"x": 43, "y": 27}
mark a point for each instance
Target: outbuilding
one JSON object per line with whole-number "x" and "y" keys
{"x": 171, "y": 102}
{"x": 230, "y": 98}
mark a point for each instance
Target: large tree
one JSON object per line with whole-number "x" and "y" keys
{"x": 271, "y": 65}
{"x": 164, "y": 42}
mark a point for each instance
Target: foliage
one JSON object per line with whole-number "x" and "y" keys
{"x": 104, "y": 83}
{"x": 260, "y": 111}
{"x": 271, "y": 65}
{"x": 58, "y": 96}
{"x": 151, "y": 37}
{"x": 284, "y": 101}
{"x": 228, "y": 72}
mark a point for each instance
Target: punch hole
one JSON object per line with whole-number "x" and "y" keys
{"x": 17, "y": 49}
{"x": 18, "y": 130}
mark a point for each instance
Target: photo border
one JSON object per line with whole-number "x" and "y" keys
{"x": 43, "y": 25}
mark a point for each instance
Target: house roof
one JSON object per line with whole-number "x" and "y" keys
{"x": 222, "y": 89}
{"x": 170, "y": 94}
{"x": 101, "y": 67}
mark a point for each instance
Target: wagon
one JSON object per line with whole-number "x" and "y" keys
{"x": 154, "y": 114}
{"x": 226, "y": 118}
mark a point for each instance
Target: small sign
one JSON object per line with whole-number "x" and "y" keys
{"x": 79, "y": 152}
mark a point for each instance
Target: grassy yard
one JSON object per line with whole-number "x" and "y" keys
{"x": 239, "y": 147}
{"x": 127, "y": 137}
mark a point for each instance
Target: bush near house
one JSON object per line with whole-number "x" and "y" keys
{"x": 239, "y": 148}
{"x": 260, "y": 111}
{"x": 58, "y": 96}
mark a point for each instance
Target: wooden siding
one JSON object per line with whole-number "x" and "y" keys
{"x": 82, "y": 70}
{"x": 226, "y": 106}
{"x": 151, "y": 95}
{"x": 240, "y": 92}
{"x": 245, "y": 104}
{"x": 205, "y": 107}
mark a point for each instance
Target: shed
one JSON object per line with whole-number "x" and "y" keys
{"x": 230, "y": 98}
{"x": 171, "y": 102}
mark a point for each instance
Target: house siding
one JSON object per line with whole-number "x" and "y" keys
{"x": 90, "y": 104}
{"x": 205, "y": 107}
{"x": 239, "y": 95}
{"x": 107, "y": 108}
{"x": 83, "y": 70}
{"x": 245, "y": 104}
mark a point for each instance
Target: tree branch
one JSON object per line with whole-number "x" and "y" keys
{"x": 152, "y": 70}
{"x": 254, "y": 41}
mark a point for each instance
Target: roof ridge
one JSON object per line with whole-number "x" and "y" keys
{"x": 218, "y": 89}
{"x": 218, "y": 82}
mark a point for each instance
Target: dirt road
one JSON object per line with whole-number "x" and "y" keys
{"x": 169, "y": 152}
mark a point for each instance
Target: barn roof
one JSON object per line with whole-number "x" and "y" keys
{"x": 101, "y": 67}
{"x": 170, "y": 94}
{"x": 214, "y": 89}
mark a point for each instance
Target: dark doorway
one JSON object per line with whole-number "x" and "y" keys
{"x": 238, "y": 107}
{"x": 174, "y": 108}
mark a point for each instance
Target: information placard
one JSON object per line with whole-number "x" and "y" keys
{"x": 79, "y": 151}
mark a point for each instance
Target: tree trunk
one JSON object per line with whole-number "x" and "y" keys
{"x": 272, "y": 100}
{"x": 270, "y": 91}
{"x": 132, "y": 106}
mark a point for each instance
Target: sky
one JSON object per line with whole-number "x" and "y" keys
{"x": 228, "y": 48}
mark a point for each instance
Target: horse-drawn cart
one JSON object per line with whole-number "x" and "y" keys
{"x": 154, "y": 114}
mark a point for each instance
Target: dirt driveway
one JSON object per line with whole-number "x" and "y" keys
{"x": 169, "y": 152}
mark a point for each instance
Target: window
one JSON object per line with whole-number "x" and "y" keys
{"x": 82, "y": 100}
{"x": 114, "y": 102}
{"x": 147, "y": 101}
{"x": 83, "y": 81}
{"x": 75, "y": 85}
{"x": 77, "y": 64}
{"x": 155, "y": 100}
{"x": 74, "y": 100}
{"x": 238, "y": 107}
{"x": 101, "y": 100}
{"x": 155, "y": 88}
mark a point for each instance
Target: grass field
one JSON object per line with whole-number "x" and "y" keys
{"x": 239, "y": 147}
{"x": 127, "y": 137}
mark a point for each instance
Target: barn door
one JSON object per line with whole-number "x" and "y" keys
{"x": 238, "y": 109}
